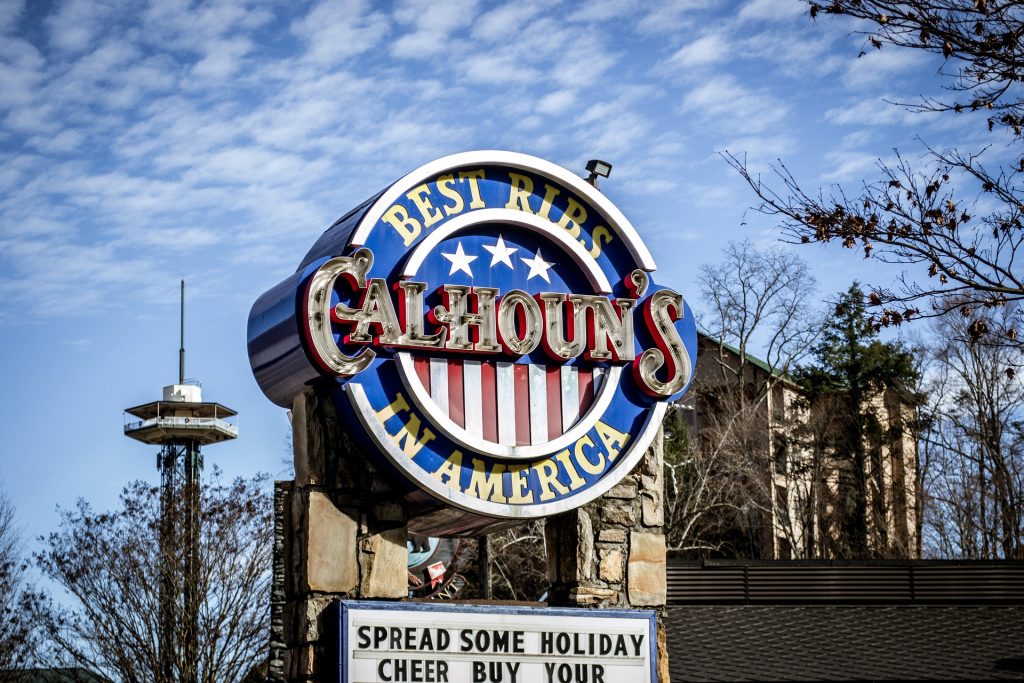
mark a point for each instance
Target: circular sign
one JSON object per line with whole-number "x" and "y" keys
{"x": 492, "y": 331}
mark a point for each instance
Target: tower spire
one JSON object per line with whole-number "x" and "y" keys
{"x": 181, "y": 349}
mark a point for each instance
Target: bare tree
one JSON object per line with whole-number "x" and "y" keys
{"x": 518, "y": 562}
{"x": 757, "y": 298}
{"x": 704, "y": 497}
{"x": 720, "y": 460}
{"x": 961, "y": 251}
{"x": 973, "y": 448}
{"x": 109, "y": 563}
{"x": 18, "y": 633}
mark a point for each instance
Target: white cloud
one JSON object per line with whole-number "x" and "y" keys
{"x": 557, "y": 102}
{"x": 760, "y": 151}
{"x": 33, "y": 119}
{"x": 182, "y": 25}
{"x": 616, "y": 137}
{"x": 733, "y": 106}
{"x": 10, "y": 13}
{"x": 708, "y": 49}
{"x": 89, "y": 271}
{"x": 336, "y": 31}
{"x": 616, "y": 103}
{"x": 183, "y": 125}
{"x": 771, "y": 10}
{"x": 433, "y": 25}
{"x": 712, "y": 196}
{"x": 115, "y": 75}
{"x": 497, "y": 69}
{"x": 850, "y": 165}
{"x": 879, "y": 67}
{"x": 63, "y": 142}
{"x": 76, "y": 24}
{"x": 514, "y": 18}
{"x": 222, "y": 59}
{"x": 809, "y": 53}
{"x": 856, "y": 140}
{"x": 647, "y": 176}
{"x": 871, "y": 111}
{"x": 672, "y": 17}
{"x": 583, "y": 65}
{"x": 21, "y": 67}
{"x": 602, "y": 10}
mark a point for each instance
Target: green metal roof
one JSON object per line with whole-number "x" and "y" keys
{"x": 751, "y": 358}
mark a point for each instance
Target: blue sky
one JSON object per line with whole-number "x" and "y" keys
{"x": 141, "y": 142}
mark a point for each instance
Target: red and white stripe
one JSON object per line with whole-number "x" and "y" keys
{"x": 512, "y": 404}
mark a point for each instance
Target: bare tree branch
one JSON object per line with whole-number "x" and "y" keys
{"x": 109, "y": 564}
{"x": 18, "y": 631}
{"x": 973, "y": 448}
{"x": 923, "y": 216}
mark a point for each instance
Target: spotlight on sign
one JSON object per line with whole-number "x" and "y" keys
{"x": 596, "y": 168}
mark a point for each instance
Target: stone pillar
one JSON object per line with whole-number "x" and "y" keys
{"x": 344, "y": 535}
{"x": 612, "y": 552}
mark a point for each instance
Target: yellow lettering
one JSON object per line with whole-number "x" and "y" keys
{"x": 575, "y": 216}
{"x": 486, "y": 486}
{"x": 549, "y": 196}
{"x": 408, "y": 437}
{"x": 547, "y": 474}
{"x": 446, "y": 186}
{"x": 398, "y": 218}
{"x": 520, "y": 491}
{"x": 611, "y": 437}
{"x": 448, "y": 473}
{"x": 601, "y": 234}
{"x": 519, "y": 192}
{"x": 427, "y": 210}
{"x": 399, "y": 405}
{"x": 575, "y": 480}
{"x": 474, "y": 187}
{"x": 589, "y": 466}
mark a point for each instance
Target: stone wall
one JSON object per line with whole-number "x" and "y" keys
{"x": 345, "y": 538}
{"x": 611, "y": 552}
{"x": 340, "y": 534}
{"x": 275, "y": 661}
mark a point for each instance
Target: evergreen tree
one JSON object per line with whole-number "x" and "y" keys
{"x": 852, "y": 368}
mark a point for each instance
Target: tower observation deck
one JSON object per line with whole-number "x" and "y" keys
{"x": 182, "y": 414}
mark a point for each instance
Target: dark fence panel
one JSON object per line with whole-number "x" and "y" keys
{"x": 766, "y": 582}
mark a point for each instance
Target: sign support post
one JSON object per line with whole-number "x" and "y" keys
{"x": 342, "y": 537}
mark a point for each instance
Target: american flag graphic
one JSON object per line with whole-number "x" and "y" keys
{"x": 512, "y": 404}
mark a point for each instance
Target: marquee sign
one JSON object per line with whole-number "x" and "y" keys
{"x": 492, "y": 331}
{"x": 391, "y": 642}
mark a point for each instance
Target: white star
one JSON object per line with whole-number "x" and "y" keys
{"x": 500, "y": 253}
{"x": 538, "y": 266}
{"x": 460, "y": 261}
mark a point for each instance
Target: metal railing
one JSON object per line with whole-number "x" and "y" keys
{"x": 183, "y": 423}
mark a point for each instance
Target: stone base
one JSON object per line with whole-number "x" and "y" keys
{"x": 612, "y": 552}
{"x": 341, "y": 535}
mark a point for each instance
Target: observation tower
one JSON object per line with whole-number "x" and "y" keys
{"x": 180, "y": 424}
